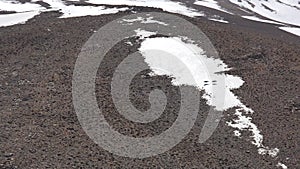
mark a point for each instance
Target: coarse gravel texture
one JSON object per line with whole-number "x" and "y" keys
{"x": 39, "y": 127}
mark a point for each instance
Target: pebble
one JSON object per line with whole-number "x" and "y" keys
{"x": 8, "y": 155}
{"x": 14, "y": 73}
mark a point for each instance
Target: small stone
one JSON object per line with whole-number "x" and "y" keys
{"x": 8, "y": 155}
{"x": 55, "y": 77}
{"x": 32, "y": 151}
{"x": 14, "y": 73}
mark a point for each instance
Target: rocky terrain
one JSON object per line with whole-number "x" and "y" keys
{"x": 39, "y": 127}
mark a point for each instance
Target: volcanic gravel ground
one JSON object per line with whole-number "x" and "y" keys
{"x": 39, "y": 127}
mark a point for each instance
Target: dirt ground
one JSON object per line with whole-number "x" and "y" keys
{"x": 39, "y": 127}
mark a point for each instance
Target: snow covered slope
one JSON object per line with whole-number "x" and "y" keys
{"x": 210, "y": 4}
{"x": 26, "y": 11}
{"x": 285, "y": 11}
{"x": 279, "y": 12}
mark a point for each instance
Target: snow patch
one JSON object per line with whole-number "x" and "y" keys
{"x": 166, "y": 5}
{"x": 19, "y": 7}
{"x": 142, "y": 34}
{"x": 145, "y": 20}
{"x": 283, "y": 166}
{"x": 218, "y": 20}
{"x": 27, "y": 11}
{"x": 24, "y": 11}
{"x": 210, "y": 4}
{"x": 190, "y": 66}
{"x": 16, "y": 18}
{"x": 77, "y": 11}
{"x": 188, "y": 58}
{"x": 237, "y": 133}
{"x": 295, "y": 31}
{"x": 254, "y": 18}
{"x": 273, "y": 9}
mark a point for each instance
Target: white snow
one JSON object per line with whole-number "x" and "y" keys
{"x": 16, "y": 18}
{"x": 237, "y": 133}
{"x": 295, "y": 31}
{"x": 293, "y": 3}
{"x": 283, "y": 166}
{"x": 190, "y": 66}
{"x": 129, "y": 43}
{"x": 244, "y": 122}
{"x": 190, "y": 56}
{"x": 27, "y": 11}
{"x": 273, "y": 9}
{"x": 142, "y": 34}
{"x": 285, "y": 12}
{"x": 218, "y": 20}
{"x": 76, "y": 11}
{"x": 145, "y": 20}
{"x": 272, "y": 152}
{"x": 254, "y": 18}
{"x": 210, "y": 4}
{"x": 16, "y": 6}
{"x": 166, "y": 5}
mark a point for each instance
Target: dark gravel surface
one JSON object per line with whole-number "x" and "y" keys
{"x": 39, "y": 127}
